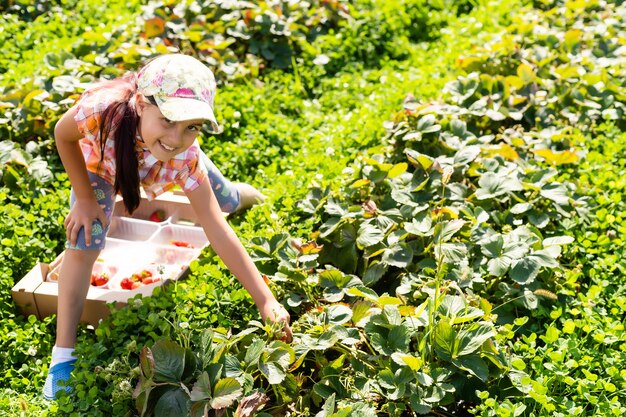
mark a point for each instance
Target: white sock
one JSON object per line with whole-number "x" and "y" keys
{"x": 61, "y": 354}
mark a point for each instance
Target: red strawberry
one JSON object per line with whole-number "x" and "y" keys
{"x": 181, "y": 244}
{"x": 127, "y": 284}
{"x": 99, "y": 279}
{"x": 157, "y": 216}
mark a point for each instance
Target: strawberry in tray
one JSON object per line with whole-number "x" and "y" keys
{"x": 157, "y": 216}
{"x": 136, "y": 280}
{"x": 102, "y": 274}
{"x": 181, "y": 244}
{"x": 99, "y": 279}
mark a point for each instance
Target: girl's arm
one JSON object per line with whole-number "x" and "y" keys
{"x": 86, "y": 209}
{"x": 227, "y": 245}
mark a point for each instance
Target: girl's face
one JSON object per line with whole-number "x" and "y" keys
{"x": 164, "y": 138}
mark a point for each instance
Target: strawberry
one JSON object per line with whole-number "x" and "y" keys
{"x": 181, "y": 244}
{"x": 127, "y": 284}
{"x": 99, "y": 280}
{"x": 136, "y": 285}
{"x": 150, "y": 280}
{"x": 157, "y": 216}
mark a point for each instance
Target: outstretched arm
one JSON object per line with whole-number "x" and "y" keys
{"x": 227, "y": 245}
{"x": 86, "y": 209}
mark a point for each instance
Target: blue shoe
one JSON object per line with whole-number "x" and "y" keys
{"x": 59, "y": 373}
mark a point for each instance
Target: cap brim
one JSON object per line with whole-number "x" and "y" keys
{"x": 179, "y": 109}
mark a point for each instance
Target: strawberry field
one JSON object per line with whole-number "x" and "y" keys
{"x": 444, "y": 219}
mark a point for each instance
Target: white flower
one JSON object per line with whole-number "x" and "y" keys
{"x": 330, "y": 151}
{"x": 124, "y": 386}
{"x": 183, "y": 325}
{"x": 32, "y": 351}
{"x": 319, "y": 176}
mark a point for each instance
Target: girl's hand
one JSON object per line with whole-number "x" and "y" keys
{"x": 275, "y": 312}
{"x": 83, "y": 213}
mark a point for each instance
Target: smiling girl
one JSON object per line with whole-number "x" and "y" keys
{"x": 140, "y": 130}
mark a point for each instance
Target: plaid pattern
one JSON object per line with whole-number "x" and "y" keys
{"x": 156, "y": 177}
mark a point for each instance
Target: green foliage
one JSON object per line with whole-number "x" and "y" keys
{"x": 467, "y": 260}
{"x": 546, "y": 70}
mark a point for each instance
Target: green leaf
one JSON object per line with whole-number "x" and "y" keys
{"x": 520, "y": 208}
{"x": 232, "y": 366}
{"x": 275, "y": 360}
{"x": 525, "y": 270}
{"x": 146, "y": 360}
{"x": 456, "y": 310}
{"x": 191, "y": 365}
{"x": 253, "y": 353}
{"x": 555, "y": 192}
{"x": 557, "y": 240}
{"x": 466, "y": 155}
{"x": 338, "y": 314}
{"x": 446, "y": 229}
{"x": 474, "y": 365}
{"x": 492, "y": 247}
{"x": 369, "y": 235}
{"x": 333, "y": 278}
{"x": 494, "y": 185}
{"x": 330, "y": 226}
{"x": 274, "y": 373}
{"x": 498, "y": 266}
{"x": 545, "y": 258}
{"x": 419, "y": 160}
{"x": 420, "y": 225}
{"x": 451, "y": 252}
{"x": 225, "y": 392}
{"x": 374, "y": 273}
{"x": 419, "y": 406}
{"x": 169, "y": 361}
{"x": 473, "y": 338}
{"x": 404, "y": 359}
{"x": 201, "y": 388}
{"x": 427, "y": 124}
{"x": 328, "y": 408}
{"x": 174, "y": 402}
{"x": 325, "y": 341}
{"x": 397, "y": 170}
{"x": 458, "y": 127}
{"x": 526, "y": 73}
{"x": 445, "y": 337}
{"x": 399, "y": 255}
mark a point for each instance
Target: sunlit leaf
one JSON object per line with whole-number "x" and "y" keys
{"x": 225, "y": 392}
{"x": 154, "y": 27}
{"x": 505, "y": 150}
{"x": 526, "y": 73}
{"x": 557, "y": 158}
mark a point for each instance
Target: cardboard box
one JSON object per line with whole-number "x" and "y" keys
{"x": 134, "y": 244}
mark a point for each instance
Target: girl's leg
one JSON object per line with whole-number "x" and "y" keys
{"x": 230, "y": 196}
{"x": 73, "y": 285}
{"x": 74, "y": 282}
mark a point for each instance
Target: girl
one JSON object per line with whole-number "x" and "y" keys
{"x": 141, "y": 130}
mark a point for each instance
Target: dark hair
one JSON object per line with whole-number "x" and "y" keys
{"x": 124, "y": 136}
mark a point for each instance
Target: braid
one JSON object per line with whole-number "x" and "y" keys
{"x": 127, "y": 165}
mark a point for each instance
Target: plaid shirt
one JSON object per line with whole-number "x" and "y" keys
{"x": 156, "y": 177}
